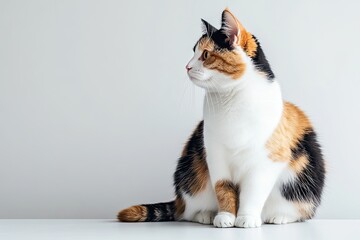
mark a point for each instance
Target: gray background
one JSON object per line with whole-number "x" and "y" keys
{"x": 95, "y": 104}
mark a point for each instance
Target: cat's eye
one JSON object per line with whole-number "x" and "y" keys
{"x": 205, "y": 54}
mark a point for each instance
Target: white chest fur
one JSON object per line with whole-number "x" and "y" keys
{"x": 243, "y": 118}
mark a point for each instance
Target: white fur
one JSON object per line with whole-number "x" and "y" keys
{"x": 239, "y": 117}
{"x": 205, "y": 217}
{"x": 224, "y": 220}
{"x": 203, "y": 201}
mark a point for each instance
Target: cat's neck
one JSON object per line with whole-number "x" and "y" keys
{"x": 254, "y": 92}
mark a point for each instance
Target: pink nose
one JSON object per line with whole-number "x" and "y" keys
{"x": 188, "y": 68}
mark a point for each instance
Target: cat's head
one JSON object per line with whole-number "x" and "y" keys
{"x": 223, "y": 56}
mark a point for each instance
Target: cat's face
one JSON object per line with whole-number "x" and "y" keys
{"x": 222, "y": 56}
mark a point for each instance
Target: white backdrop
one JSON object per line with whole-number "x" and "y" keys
{"x": 95, "y": 104}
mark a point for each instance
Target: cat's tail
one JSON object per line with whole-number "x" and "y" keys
{"x": 157, "y": 212}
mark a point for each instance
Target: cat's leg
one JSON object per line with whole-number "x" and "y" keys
{"x": 255, "y": 187}
{"x": 225, "y": 191}
{"x": 227, "y": 197}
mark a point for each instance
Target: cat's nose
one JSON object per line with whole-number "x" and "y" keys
{"x": 188, "y": 68}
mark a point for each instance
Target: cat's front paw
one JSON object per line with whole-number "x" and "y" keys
{"x": 224, "y": 220}
{"x": 248, "y": 221}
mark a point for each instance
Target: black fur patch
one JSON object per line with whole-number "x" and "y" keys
{"x": 165, "y": 212}
{"x": 209, "y": 29}
{"x": 184, "y": 176}
{"x": 260, "y": 61}
{"x": 219, "y": 39}
{"x": 308, "y": 185}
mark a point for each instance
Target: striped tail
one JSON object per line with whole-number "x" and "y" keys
{"x": 157, "y": 212}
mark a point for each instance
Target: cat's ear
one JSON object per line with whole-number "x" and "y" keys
{"x": 207, "y": 28}
{"x": 231, "y": 27}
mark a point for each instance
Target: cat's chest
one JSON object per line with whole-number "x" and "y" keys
{"x": 233, "y": 128}
{"x": 241, "y": 126}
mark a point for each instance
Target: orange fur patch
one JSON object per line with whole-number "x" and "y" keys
{"x": 227, "y": 196}
{"x": 290, "y": 130}
{"x": 133, "y": 214}
{"x": 250, "y": 45}
{"x": 206, "y": 44}
{"x": 227, "y": 62}
{"x": 306, "y": 210}
{"x": 299, "y": 164}
{"x": 202, "y": 175}
{"x": 179, "y": 207}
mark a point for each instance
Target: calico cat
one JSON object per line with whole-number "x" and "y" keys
{"x": 254, "y": 158}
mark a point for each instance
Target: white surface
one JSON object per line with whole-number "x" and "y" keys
{"x": 107, "y": 229}
{"x": 95, "y": 104}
